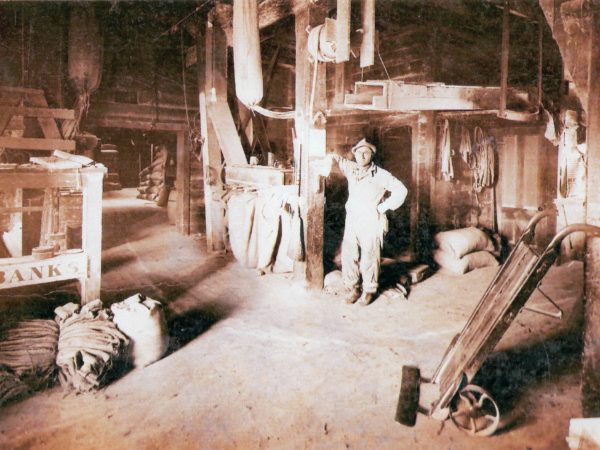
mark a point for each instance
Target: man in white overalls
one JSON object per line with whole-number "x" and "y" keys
{"x": 366, "y": 222}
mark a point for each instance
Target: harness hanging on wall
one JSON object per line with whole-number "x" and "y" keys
{"x": 246, "y": 52}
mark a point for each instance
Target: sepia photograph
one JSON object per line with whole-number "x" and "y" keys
{"x": 300, "y": 224}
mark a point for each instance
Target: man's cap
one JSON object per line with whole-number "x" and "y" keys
{"x": 363, "y": 143}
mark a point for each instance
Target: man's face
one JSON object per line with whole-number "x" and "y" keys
{"x": 363, "y": 156}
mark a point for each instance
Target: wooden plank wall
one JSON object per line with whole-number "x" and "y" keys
{"x": 526, "y": 180}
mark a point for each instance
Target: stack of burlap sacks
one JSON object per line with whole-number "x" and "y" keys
{"x": 153, "y": 178}
{"x": 460, "y": 251}
{"x": 81, "y": 348}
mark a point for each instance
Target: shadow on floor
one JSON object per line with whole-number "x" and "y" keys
{"x": 508, "y": 375}
{"x": 393, "y": 273}
{"x": 38, "y": 301}
{"x": 116, "y": 261}
{"x": 118, "y": 228}
{"x": 186, "y": 327}
{"x": 166, "y": 289}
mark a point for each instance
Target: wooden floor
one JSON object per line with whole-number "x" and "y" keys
{"x": 260, "y": 362}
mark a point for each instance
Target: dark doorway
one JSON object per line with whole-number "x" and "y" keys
{"x": 135, "y": 149}
{"x": 395, "y": 146}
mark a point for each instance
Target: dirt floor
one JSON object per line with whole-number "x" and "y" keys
{"x": 260, "y": 362}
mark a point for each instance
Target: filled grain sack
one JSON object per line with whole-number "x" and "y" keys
{"x": 262, "y": 230}
{"x": 240, "y": 217}
{"x": 477, "y": 260}
{"x": 450, "y": 263}
{"x": 459, "y": 266}
{"x": 462, "y": 241}
{"x": 142, "y": 320}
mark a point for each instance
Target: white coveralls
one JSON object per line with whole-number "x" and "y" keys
{"x": 365, "y": 226}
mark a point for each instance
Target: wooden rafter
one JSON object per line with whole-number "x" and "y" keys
{"x": 19, "y": 143}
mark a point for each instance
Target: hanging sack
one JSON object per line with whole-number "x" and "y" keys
{"x": 246, "y": 52}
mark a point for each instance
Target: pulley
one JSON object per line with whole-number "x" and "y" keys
{"x": 321, "y": 47}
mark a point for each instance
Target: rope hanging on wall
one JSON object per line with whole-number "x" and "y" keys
{"x": 483, "y": 160}
{"x": 446, "y": 153}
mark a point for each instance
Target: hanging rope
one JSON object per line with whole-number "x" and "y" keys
{"x": 465, "y": 144}
{"x": 483, "y": 160}
{"x": 446, "y": 153}
{"x": 273, "y": 114}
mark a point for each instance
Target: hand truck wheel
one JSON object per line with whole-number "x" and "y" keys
{"x": 474, "y": 411}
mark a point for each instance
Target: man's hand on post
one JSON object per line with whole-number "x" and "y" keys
{"x": 382, "y": 208}
{"x": 323, "y": 166}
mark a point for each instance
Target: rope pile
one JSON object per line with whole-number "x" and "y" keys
{"x": 27, "y": 357}
{"x": 88, "y": 345}
{"x": 11, "y": 387}
{"x": 29, "y": 346}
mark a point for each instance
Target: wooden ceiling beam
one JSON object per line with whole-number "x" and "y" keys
{"x": 53, "y": 113}
{"x": 146, "y": 125}
{"x": 126, "y": 111}
{"x": 19, "y": 143}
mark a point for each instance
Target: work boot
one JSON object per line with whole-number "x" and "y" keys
{"x": 352, "y": 296}
{"x": 366, "y": 298}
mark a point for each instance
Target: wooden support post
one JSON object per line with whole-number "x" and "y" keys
{"x": 4, "y": 120}
{"x": 367, "y": 47}
{"x": 504, "y": 59}
{"x": 49, "y": 215}
{"x": 313, "y": 214}
{"x": 211, "y": 159}
{"x": 17, "y": 219}
{"x": 91, "y": 185}
{"x": 183, "y": 183}
{"x": 341, "y": 82}
{"x": 342, "y": 31}
{"x": 423, "y": 166}
{"x": 211, "y": 153}
{"x": 591, "y": 332}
